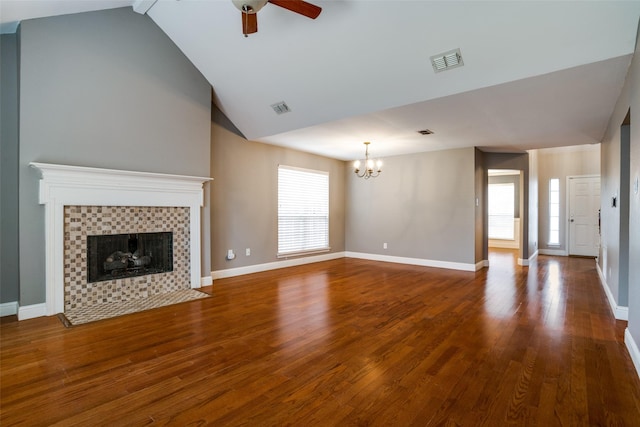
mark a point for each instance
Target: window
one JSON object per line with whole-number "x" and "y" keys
{"x": 303, "y": 211}
{"x": 554, "y": 211}
{"x": 501, "y": 210}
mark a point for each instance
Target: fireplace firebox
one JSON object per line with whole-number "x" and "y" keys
{"x": 116, "y": 256}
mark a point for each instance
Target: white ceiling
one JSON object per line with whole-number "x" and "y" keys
{"x": 535, "y": 75}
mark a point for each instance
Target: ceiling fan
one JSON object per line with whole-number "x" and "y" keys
{"x": 250, "y": 8}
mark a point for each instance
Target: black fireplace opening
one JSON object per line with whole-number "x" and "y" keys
{"x": 116, "y": 256}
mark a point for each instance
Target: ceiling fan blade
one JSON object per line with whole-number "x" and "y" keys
{"x": 298, "y": 6}
{"x": 249, "y": 23}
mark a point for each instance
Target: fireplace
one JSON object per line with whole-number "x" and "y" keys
{"x": 114, "y": 256}
{"x": 83, "y": 203}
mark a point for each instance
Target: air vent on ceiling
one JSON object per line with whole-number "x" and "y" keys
{"x": 425, "y": 132}
{"x": 281, "y": 107}
{"x": 447, "y": 60}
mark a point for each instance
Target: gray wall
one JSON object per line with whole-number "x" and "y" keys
{"x": 623, "y": 203}
{"x": 632, "y": 86}
{"x": 104, "y": 89}
{"x": 422, "y": 205}
{"x": 612, "y": 255}
{"x": 9, "y": 256}
{"x": 611, "y": 174}
{"x": 481, "y": 217}
{"x": 244, "y": 195}
{"x": 561, "y": 163}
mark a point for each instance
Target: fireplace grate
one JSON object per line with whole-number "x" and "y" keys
{"x": 116, "y": 256}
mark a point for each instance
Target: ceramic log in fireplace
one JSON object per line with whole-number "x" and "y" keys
{"x": 116, "y": 256}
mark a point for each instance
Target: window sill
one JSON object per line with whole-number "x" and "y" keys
{"x": 303, "y": 253}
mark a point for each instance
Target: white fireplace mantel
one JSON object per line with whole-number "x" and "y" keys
{"x": 63, "y": 185}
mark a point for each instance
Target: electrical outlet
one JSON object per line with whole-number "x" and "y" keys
{"x": 384, "y": 245}
{"x": 248, "y": 252}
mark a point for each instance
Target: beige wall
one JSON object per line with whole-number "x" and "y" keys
{"x": 244, "y": 195}
{"x": 422, "y": 206}
{"x": 561, "y": 163}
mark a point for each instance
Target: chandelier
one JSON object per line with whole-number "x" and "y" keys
{"x": 372, "y": 168}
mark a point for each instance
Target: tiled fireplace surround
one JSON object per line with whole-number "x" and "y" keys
{"x": 81, "y": 201}
{"x": 82, "y": 221}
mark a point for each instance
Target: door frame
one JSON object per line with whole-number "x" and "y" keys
{"x": 567, "y": 234}
{"x": 521, "y": 201}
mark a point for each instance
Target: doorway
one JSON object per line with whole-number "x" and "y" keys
{"x": 504, "y": 207}
{"x": 583, "y": 208}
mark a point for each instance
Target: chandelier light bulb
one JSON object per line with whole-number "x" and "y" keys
{"x": 372, "y": 167}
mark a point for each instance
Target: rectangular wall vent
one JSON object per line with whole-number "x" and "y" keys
{"x": 447, "y": 60}
{"x": 281, "y": 107}
{"x": 425, "y": 132}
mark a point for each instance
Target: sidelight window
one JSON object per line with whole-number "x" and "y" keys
{"x": 554, "y": 211}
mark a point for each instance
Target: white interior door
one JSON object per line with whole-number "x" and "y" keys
{"x": 584, "y": 202}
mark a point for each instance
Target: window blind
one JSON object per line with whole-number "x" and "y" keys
{"x": 303, "y": 211}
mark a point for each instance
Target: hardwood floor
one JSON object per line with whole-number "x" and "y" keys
{"x": 343, "y": 342}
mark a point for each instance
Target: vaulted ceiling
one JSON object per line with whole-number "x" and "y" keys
{"x": 535, "y": 74}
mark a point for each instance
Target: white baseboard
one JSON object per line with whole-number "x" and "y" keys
{"x": 239, "y": 271}
{"x": 232, "y": 272}
{"x": 634, "y": 352}
{"x": 206, "y": 281}
{"x": 622, "y": 313}
{"x": 526, "y": 262}
{"x": 414, "y": 261}
{"x": 619, "y": 312}
{"x": 32, "y": 311}
{"x": 482, "y": 264}
{"x": 8, "y": 308}
{"x": 555, "y": 252}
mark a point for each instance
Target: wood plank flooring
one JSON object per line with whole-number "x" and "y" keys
{"x": 340, "y": 343}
